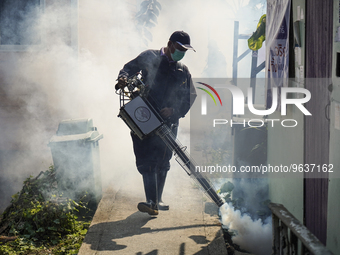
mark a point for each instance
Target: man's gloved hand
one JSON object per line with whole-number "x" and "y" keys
{"x": 121, "y": 83}
{"x": 167, "y": 112}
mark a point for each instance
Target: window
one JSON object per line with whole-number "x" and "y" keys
{"x": 17, "y": 19}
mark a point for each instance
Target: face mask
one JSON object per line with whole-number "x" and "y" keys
{"x": 177, "y": 55}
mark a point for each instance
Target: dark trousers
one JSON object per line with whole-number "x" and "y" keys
{"x": 153, "y": 162}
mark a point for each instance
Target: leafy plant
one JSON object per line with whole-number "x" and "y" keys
{"x": 239, "y": 202}
{"x": 147, "y": 18}
{"x": 39, "y": 217}
{"x": 226, "y": 190}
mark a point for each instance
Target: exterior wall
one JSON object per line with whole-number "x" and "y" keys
{"x": 26, "y": 125}
{"x": 285, "y": 145}
{"x": 333, "y": 226}
{"x": 319, "y": 21}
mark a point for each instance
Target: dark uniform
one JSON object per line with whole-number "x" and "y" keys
{"x": 170, "y": 86}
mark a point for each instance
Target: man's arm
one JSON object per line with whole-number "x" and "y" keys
{"x": 132, "y": 67}
{"x": 188, "y": 96}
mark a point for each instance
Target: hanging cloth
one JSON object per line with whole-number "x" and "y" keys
{"x": 256, "y": 40}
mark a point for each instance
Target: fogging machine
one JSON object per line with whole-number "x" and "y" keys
{"x": 144, "y": 120}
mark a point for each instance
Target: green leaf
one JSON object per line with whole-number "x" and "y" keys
{"x": 83, "y": 232}
{"x": 15, "y": 196}
{"x": 52, "y": 228}
{"x": 152, "y": 16}
{"x": 147, "y": 34}
{"x": 227, "y": 187}
{"x": 158, "y": 5}
{"x": 145, "y": 3}
{"x": 155, "y": 10}
{"x": 40, "y": 230}
{"x": 149, "y": 24}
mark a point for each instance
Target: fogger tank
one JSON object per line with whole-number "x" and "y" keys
{"x": 143, "y": 119}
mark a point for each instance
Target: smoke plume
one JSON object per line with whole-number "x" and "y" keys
{"x": 68, "y": 68}
{"x": 252, "y": 235}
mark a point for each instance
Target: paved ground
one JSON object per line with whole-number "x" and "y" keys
{"x": 191, "y": 226}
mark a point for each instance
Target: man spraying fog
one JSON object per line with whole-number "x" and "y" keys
{"x": 171, "y": 92}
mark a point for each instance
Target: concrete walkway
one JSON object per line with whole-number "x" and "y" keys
{"x": 191, "y": 226}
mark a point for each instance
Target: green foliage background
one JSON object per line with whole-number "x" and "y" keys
{"x": 42, "y": 220}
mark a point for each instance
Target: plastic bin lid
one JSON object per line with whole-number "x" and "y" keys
{"x": 75, "y": 126}
{"x": 88, "y": 137}
{"x": 79, "y": 130}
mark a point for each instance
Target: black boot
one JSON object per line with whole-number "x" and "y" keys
{"x": 148, "y": 207}
{"x": 160, "y": 185}
{"x": 150, "y": 188}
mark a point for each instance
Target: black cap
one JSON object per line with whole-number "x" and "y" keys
{"x": 182, "y": 39}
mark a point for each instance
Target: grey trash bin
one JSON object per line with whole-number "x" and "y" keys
{"x": 75, "y": 153}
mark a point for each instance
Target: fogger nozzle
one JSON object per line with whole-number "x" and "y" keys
{"x": 187, "y": 163}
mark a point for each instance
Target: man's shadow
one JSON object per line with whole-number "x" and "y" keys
{"x": 107, "y": 231}
{"x": 103, "y": 236}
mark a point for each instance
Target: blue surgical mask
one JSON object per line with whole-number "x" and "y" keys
{"x": 177, "y": 55}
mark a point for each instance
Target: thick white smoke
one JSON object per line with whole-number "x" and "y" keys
{"x": 254, "y": 236}
{"x": 57, "y": 80}
{"x": 60, "y": 79}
